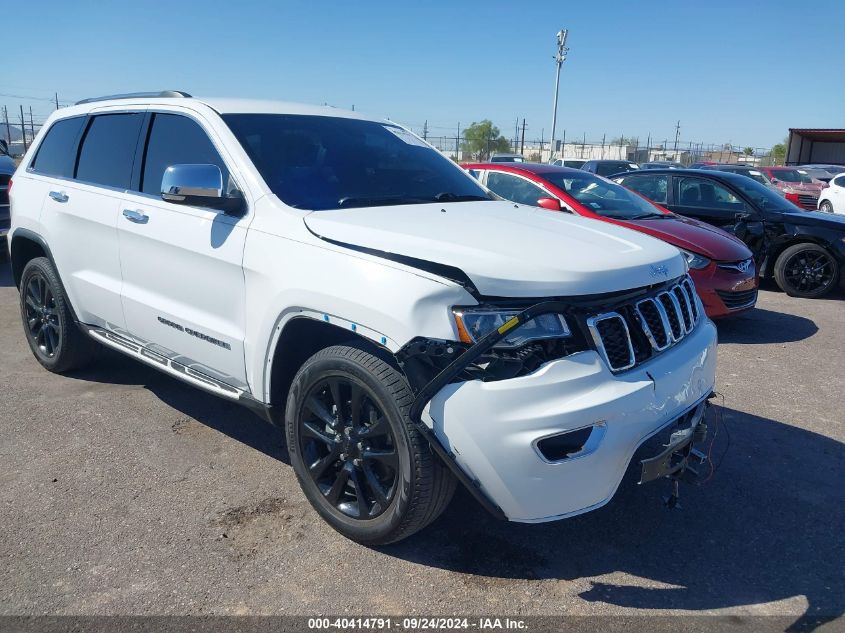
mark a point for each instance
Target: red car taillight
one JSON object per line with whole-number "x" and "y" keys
{"x": 793, "y": 198}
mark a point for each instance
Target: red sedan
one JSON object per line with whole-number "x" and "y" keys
{"x": 720, "y": 264}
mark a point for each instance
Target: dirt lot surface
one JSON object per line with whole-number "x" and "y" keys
{"x": 123, "y": 491}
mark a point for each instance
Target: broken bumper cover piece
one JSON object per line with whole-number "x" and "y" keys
{"x": 674, "y": 460}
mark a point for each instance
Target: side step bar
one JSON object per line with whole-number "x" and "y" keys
{"x": 167, "y": 365}
{"x": 180, "y": 371}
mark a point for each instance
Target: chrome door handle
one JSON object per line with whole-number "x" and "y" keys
{"x": 135, "y": 216}
{"x": 59, "y": 196}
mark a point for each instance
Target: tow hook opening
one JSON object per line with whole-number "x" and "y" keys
{"x": 679, "y": 460}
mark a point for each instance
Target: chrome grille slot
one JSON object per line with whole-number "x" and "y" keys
{"x": 654, "y": 324}
{"x": 690, "y": 288}
{"x": 613, "y": 340}
{"x": 685, "y": 310}
{"x": 669, "y": 307}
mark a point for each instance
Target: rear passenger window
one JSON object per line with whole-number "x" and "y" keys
{"x": 57, "y": 151}
{"x": 176, "y": 140}
{"x": 108, "y": 150}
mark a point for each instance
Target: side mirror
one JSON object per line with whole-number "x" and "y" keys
{"x": 552, "y": 204}
{"x": 199, "y": 186}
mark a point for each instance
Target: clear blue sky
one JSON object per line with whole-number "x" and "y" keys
{"x": 740, "y": 71}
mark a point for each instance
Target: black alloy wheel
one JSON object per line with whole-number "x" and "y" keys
{"x": 349, "y": 448}
{"x": 42, "y": 318}
{"x": 51, "y": 331}
{"x": 806, "y": 270}
{"x": 361, "y": 463}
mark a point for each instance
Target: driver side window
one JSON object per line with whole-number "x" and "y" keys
{"x": 176, "y": 140}
{"x": 514, "y": 188}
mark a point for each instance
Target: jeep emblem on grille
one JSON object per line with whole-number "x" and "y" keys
{"x": 656, "y": 271}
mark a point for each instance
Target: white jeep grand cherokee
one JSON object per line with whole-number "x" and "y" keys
{"x": 342, "y": 278}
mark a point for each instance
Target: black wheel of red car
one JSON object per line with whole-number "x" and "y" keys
{"x": 806, "y": 270}
{"x": 53, "y": 336}
{"x": 358, "y": 458}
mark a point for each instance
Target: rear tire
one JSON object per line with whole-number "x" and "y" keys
{"x": 826, "y": 206}
{"x": 806, "y": 270}
{"x": 53, "y": 336}
{"x": 358, "y": 458}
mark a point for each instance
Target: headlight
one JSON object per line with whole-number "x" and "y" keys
{"x": 695, "y": 261}
{"x": 474, "y": 323}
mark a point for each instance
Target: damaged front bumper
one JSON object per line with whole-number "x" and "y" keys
{"x": 489, "y": 433}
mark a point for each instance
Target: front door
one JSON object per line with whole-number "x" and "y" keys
{"x": 183, "y": 283}
{"x": 714, "y": 203}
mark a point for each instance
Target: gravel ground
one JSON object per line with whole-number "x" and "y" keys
{"x": 125, "y": 492}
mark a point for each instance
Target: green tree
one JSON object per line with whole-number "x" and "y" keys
{"x": 748, "y": 151}
{"x": 778, "y": 154}
{"x": 483, "y": 139}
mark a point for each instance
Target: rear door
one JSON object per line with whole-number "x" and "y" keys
{"x": 183, "y": 283}
{"x": 80, "y": 211}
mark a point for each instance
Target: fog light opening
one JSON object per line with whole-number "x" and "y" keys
{"x": 571, "y": 444}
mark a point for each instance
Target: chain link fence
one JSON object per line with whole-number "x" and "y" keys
{"x": 462, "y": 149}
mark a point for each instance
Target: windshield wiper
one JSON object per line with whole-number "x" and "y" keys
{"x": 651, "y": 216}
{"x": 448, "y": 196}
{"x": 350, "y": 201}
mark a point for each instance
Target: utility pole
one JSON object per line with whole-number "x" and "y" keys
{"x": 57, "y": 102}
{"x": 677, "y": 136}
{"x": 458, "y": 144}
{"x": 522, "y": 144}
{"x": 560, "y": 57}
{"x": 31, "y": 125}
{"x": 23, "y": 131}
{"x": 425, "y": 130}
{"x": 8, "y": 128}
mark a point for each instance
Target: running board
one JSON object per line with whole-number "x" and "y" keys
{"x": 167, "y": 365}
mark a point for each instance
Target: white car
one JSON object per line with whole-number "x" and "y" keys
{"x": 832, "y": 197}
{"x": 339, "y": 276}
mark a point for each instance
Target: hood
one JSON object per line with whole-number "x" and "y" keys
{"x": 833, "y": 221}
{"x": 809, "y": 187}
{"x": 694, "y": 236}
{"x": 508, "y": 250}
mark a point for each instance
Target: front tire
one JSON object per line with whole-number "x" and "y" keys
{"x": 53, "y": 336}
{"x": 359, "y": 460}
{"x": 826, "y": 206}
{"x": 806, "y": 270}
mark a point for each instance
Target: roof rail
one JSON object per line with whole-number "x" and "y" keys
{"x": 137, "y": 95}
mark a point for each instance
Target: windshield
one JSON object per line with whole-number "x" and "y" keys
{"x": 764, "y": 197}
{"x": 790, "y": 175}
{"x": 604, "y": 197}
{"x": 320, "y": 162}
{"x": 608, "y": 168}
